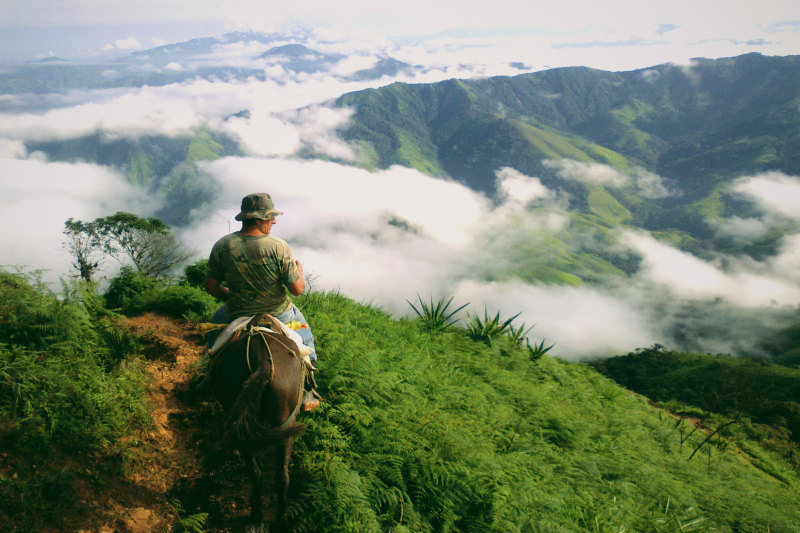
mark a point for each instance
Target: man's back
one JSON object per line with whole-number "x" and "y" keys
{"x": 257, "y": 270}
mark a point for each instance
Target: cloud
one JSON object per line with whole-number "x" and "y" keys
{"x": 651, "y": 185}
{"x": 582, "y": 322}
{"x": 592, "y": 173}
{"x": 262, "y": 133}
{"x": 38, "y": 197}
{"x": 691, "y": 277}
{"x": 12, "y": 149}
{"x": 130, "y": 43}
{"x": 520, "y": 190}
{"x": 130, "y": 115}
{"x": 774, "y": 192}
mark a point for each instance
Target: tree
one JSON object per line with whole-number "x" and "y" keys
{"x": 146, "y": 242}
{"x": 85, "y": 244}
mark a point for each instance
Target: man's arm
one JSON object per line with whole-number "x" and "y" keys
{"x": 217, "y": 289}
{"x": 299, "y": 285}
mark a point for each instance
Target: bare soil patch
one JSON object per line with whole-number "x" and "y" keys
{"x": 182, "y": 465}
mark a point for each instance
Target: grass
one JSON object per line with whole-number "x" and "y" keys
{"x": 442, "y": 433}
{"x": 434, "y": 433}
{"x": 70, "y": 390}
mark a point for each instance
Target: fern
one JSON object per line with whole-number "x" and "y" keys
{"x": 193, "y": 523}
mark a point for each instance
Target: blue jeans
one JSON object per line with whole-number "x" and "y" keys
{"x": 293, "y": 313}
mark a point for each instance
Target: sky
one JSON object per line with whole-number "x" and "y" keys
{"x": 337, "y": 216}
{"x": 613, "y": 35}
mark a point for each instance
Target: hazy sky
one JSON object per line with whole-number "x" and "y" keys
{"x": 461, "y": 238}
{"x": 614, "y": 34}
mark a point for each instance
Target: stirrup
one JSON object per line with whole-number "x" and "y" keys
{"x": 310, "y": 400}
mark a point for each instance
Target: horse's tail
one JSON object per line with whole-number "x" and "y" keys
{"x": 243, "y": 423}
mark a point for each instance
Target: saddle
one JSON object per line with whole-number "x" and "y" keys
{"x": 263, "y": 322}
{"x": 266, "y": 323}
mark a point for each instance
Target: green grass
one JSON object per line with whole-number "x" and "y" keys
{"x": 419, "y": 432}
{"x": 442, "y": 433}
{"x": 71, "y": 387}
{"x": 765, "y": 393}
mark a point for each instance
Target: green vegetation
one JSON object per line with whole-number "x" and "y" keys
{"x": 71, "y": 390}
{"x": 486, "y": 329}
{"x": 442, "y": 433}
{"x": 164, "y": 166}
{"x": 133, "y": 293}
{"x": 766, "y": 394}
{"x": 147, "y": 243}
{"x": 421, "y": 430}
{"x": 700, "y": 130}
{"x": 436, "y": 317}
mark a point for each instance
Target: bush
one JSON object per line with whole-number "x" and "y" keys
{"x": 126, "y": 287}
{"x": 64, "y": 400}
{"x": 180, "y": 301}
{"x": 134, "y": 293}
{"x": 195, "y": 274}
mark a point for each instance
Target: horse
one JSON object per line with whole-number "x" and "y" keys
{"x": 259, "y": 380}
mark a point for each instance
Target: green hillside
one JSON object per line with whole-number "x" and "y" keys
{"x": 767, "y": 394}
{"x": 487, "y": 440}
{"x": 699, "y": 128}
{"x": 164, "y": 166}
{"x": 419, "y": 431}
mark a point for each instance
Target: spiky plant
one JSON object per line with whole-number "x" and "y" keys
{"x": 537, "y": 350}
{"x": 436, "y": 317}
{"x": 517, "y": 335}
{"x": 488, "y": 328}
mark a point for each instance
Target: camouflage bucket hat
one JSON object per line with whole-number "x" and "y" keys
{"x": 257, "y": 205}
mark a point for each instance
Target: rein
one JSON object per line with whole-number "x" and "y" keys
{"x": 253, "y": 330}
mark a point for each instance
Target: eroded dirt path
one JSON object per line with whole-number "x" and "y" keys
{"x": 181, "y": 466}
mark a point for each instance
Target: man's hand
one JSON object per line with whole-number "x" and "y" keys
{"x": 299, "y": 285}
{"x": 216, "y": 289}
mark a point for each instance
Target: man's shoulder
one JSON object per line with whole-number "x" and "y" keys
{"x": 278, "y": 242}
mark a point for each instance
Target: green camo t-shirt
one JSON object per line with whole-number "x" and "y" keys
{"x": 257, "y": 270}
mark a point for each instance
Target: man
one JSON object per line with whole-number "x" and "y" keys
{"x": 259, "y": 270}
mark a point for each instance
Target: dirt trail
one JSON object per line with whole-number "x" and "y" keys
{"x": 182, "y": 465}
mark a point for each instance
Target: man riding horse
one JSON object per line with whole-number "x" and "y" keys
{"x": 259, "y": 270}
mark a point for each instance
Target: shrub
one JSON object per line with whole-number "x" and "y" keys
{"x": 128, "y": 286}
{"x": 436, "y": 317}
{"x": 180, "y": 301}
{"x": 487, "y": 329}
{"x": 133, "y": 293}
{"x": 195, "y": 274}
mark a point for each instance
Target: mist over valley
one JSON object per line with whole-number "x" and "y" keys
{"x": 613, "y": 210}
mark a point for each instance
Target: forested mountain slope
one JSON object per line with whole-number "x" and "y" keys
{"x": 697, "y": 127}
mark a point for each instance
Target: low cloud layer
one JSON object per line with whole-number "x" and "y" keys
{"x": 38, "y": 197}
{"x": 384, "y": 237}
{"x": 405, "y": 234}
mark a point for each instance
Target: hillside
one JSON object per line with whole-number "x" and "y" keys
{"x": 696, "y": 128}
{"x": 163, "y": 166}
{"x": 418, "y": 432}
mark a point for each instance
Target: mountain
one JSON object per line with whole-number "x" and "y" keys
{"x": 233, "y": 56}
{"x": 697, "y": 128}
{"x": 164, "y": 166}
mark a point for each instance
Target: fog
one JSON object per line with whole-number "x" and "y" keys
{"x": 385, "y": 237}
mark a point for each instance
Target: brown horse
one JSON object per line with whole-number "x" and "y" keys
{"x": 259, "y": 380}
